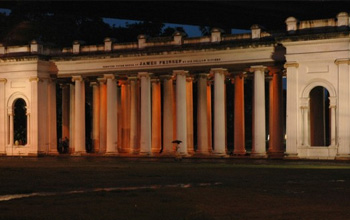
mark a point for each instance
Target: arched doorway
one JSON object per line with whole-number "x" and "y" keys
{"x": 319, "y": 117}
{"x": 20, "y": 122}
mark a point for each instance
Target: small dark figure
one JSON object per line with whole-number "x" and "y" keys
{"x": 178, "y": 156}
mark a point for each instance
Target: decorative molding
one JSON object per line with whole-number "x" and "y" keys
{"x": 34, "y": 79}
{"x": 291, "y": 64}
{"x": 77, "y": 78}
{"x": 180, "y": 72}
{"x": 3, "y": 80}
{"x": 109, "y": 76}
{"x": 257, "y": 68}
{"x": 342, "y": 61}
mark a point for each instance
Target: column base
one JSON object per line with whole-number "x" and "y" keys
{"x": 342, "y": 157}
{"x": 291, "y": 156}
{"x": 79, "y": 153}
{"x": 219, "y": 154}
{"x": 145, "y": 154}
{"x": 258, "y": 155}
{"x": 111, "y": 154}
{"x": 239, "y": 153}
{"x": 275, "y": 155}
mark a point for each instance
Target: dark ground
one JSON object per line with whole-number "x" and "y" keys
{"x": 218, "y": 188}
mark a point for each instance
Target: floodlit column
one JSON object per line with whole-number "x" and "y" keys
{"x": 259, "y": 126}
{"x": 146, "y": 126}
{"x": 189, "y": 116}
{"x": 125, "y": 116}
{"x": 168, "y": 113}
{"x": 239, "y": 126}
{"x": 209, "y": 110}
{"x": 181, "y": 110}
{"x": 3, "y": 117}
{"x": 156, "y": 116}
{"x": 202, "y": 115}
{"x": 95, "y": 116}
{"x": 133, "y": 115}
{"x": 343, "y": 109}
{"x": 34, "y": 111}
{"x": 111, "y": 140}
{"x": 103, "y": 115}
{"x": 65, "y": 111}
{"x": 304, "y": 105}
{"x": 333, "y": 108}
{"x": 71, "y": 118}
{"x": 276, "y": 109}
{"x": 52, "y": 118}
{"x": 219, "y": 111}
{"x": 79, "y": 130}
{"x": 292, "y": 110}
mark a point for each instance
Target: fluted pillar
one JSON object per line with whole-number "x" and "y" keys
{"x": 133, "y": 115}
{"x": 276, "y": 117}
{"x": 168, "y": 115}
{"x": 95, "y": 116}
{"x": 71, "y": 118}
{"x": 189, "y": 116}
{"x": 239, "y": 126}
{"x": 202, "y": 115}
{"x": 3, "y": 118}
{"x": 181, "y": 110}
{"x": 103, "y": 115}
{"x": 79, "y": 115}
{"x": 125, "y": 116}
{"x": 146, "y": 126}
{"x": 259, "y": 123}
{"x": 111, "y": 140}
{"x": 219, "y": 111}
{"x": 156, "y": 116}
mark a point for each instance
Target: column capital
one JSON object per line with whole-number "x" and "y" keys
{"x": 203, "y": 75}
{"x": 257, "y": 68}
{"x": 166, "y": 77}
{"x": 155, "y": 80}
{"x": 77, "y": 78}
{"x": 101, "y": 80}
{"x": 291, "y": 64}
{"x": 332, "y": 101}
{"x": 3, "y": 80}
{"x": 132, "y": 78}
{"x": 109, "y": 76}
{"x": 93, "y": 84}
{"x": 34, "y": 79}
{"x": 304, "y": 102}
{"x": 189, "y": 78}
{"x": 180, "y": 72}
{"x": 218, "y": 70}
{"x": 342, "y": 61}
{"x": 64, "y": 85}
{"x": 144, "y": 74}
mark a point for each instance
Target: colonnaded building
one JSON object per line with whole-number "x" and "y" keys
{"x": 261, "y": 94}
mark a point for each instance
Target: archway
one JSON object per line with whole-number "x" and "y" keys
{"x": 319, "y": 117}
{"x": 20, "y": 122}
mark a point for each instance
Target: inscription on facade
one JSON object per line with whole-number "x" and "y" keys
{"x": 162, "y": 63}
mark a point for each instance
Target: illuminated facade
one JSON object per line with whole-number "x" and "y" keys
{"x": 135, "y": 99}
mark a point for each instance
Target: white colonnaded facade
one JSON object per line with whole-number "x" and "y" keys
{"x": 263, "y": 94}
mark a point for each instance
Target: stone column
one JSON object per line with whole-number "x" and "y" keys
{"x": 156, "y": 116}
{"x": 304, "y": 106}
{"x": 111, "y": 139}
{"x": 168, "y": 115}
{"x": 103, "y": 115}
{"x": 34, "y": 133}
{"x": 292, "y": 110}
{"x": 145, "y": 139}
{"x": 219, "y": 111}
{"x": 239, "y": 126}
{"x": 202, "y": 115}
{"x": 276, "y": 109}
{"x": 125, "y": 116}
{"x": 343, "y": 109}
{"x": 79, "y": 116}
{"x": 181, "y": 110}
{"x": 65, "y": 111}
{"x": 333, "y": 109}
{"x": 3, "y": 118}
{"x": 95, "y": 116}
{"x": 189, "y": 116}
{"x": 71, "y": 118}
{"x": 133, "y": 115}
{"x": 209, "y": 110}
{"x": 52, "y": 118}
{"x": 259, "y": 125}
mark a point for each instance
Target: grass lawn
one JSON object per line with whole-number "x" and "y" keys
{"x": 120, "y": 188}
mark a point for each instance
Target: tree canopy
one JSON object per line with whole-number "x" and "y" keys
{"x": 60, "y": 30}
